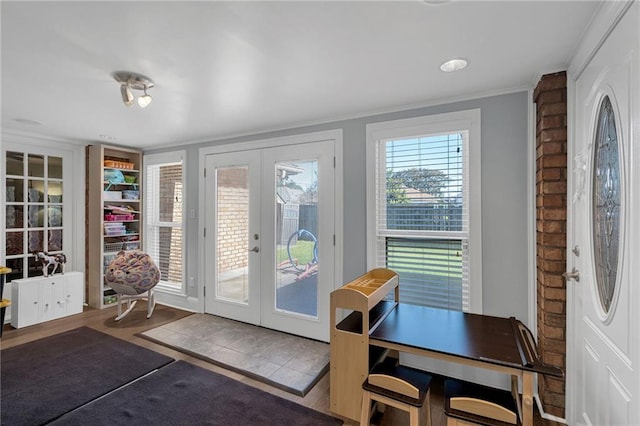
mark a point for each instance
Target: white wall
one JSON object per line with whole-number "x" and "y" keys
{"x": 504, "y": 192}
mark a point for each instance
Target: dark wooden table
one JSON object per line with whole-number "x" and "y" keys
{"x": 499, "y": 344}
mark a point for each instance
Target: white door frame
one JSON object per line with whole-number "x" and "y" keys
{"x": 600, "y": 29}
{"x": 334, "y": 135}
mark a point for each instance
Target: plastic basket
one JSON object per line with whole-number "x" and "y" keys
{"x": 109, "y": 247}
{"x": 118, "y": 164}
{"x": 130, "y": 195}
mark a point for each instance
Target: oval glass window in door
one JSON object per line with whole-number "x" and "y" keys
{"x": 606, "y": 203}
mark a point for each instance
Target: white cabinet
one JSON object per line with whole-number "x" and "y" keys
{"x": 39, "y": 299}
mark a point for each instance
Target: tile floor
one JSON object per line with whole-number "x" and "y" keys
{"x": 289, "y": 362}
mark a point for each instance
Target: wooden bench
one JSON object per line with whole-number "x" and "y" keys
{"x": 400, "y": 387}
{"x": 468, "y": 403}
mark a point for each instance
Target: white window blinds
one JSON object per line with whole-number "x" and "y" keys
{"x": 163, "y": 238}
{"x": 421, "y": 220}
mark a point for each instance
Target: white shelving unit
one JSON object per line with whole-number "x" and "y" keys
{"x": 114, "y": 213}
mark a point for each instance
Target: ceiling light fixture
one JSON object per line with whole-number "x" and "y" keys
{"x": 144, "y": 100}
{"x": 130, "y": 80}
{"x": 436, "y": 2}
{"x": 127, "y": 96}
{"x": 453, "y": 65}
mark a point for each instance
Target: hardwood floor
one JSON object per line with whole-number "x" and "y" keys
{"x": 136, "y": 322}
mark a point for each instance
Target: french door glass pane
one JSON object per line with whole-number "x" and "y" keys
{"x": 14, "y": 243}
{"x": 15, "y": 163}
{"x": 55, "y": 168}
{"x": 36, "y": 165}
{"x": 297, "y": 254}
{"x": 54, "y": 192}
{"x": 15, "y": 190}
{"x": 232, "y": 234}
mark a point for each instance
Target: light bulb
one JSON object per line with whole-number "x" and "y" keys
{"x": 144, "y": 100}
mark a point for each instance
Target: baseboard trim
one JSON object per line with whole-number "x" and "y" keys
{"x": 546, "y": 415}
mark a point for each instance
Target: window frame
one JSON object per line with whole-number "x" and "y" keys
{"x": 451, "y": 122}
{"x": 150, "y": 160}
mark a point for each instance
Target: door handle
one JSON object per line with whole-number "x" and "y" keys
{"x": 256, "y": 249}
{"x": 573, "y": 275}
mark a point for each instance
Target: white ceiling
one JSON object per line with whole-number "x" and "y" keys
{"x": 230, "y": 68}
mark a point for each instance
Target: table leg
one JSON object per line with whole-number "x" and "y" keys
{"x": 2, "y": 313}
{"x": 527, "y": 398}
{"x": 3, "y": 309}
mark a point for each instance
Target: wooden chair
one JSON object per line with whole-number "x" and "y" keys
{"x": 473, "y": 404}
{"x": 400, "y": 387}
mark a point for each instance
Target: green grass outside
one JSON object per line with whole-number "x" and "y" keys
{"x": 442, "y": 262}
{"x": 303, "y": 251}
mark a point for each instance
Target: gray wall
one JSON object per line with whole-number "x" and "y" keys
{"x": 504, "y": 195}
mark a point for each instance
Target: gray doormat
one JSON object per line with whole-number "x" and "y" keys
{"x": 288, "y": 362}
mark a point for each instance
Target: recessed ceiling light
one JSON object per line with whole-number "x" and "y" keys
{"x": 107, "y": 137}
{"x": 28, "y": 121}
{"x": 436, "y": 2}
{"x": 453, "y": 65}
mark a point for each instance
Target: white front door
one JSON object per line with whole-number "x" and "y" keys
{"x": 270, "y": 223}
{"x": 603, "y": 379}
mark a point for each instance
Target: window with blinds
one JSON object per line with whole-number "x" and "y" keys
{"x": 422, "y": 212}
{"x": 164, "y": 218}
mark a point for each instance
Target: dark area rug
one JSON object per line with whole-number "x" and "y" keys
{"x": 185, "y": 394}
{"x": 43, "y": 379}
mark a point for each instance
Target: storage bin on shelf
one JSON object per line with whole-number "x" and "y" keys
{"x": 118, "y": 164}
{"x": 130, "y": 194}
{"x": 110, "y": 297}
{"x": 112, "y": 195}
{"x": 131, "y": 245}
{"x": 112, "y": 247}
{"x": 112, "y": 231}
{"x": 114, "y": 217}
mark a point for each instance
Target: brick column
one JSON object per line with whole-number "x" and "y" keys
{"x": 550, "y": 97}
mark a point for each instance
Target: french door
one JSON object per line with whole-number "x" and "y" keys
{"x": 270, "y": 236}
{"x": 604, "y": 234}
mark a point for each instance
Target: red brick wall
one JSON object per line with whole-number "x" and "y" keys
{"x": 550, "y": 97}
